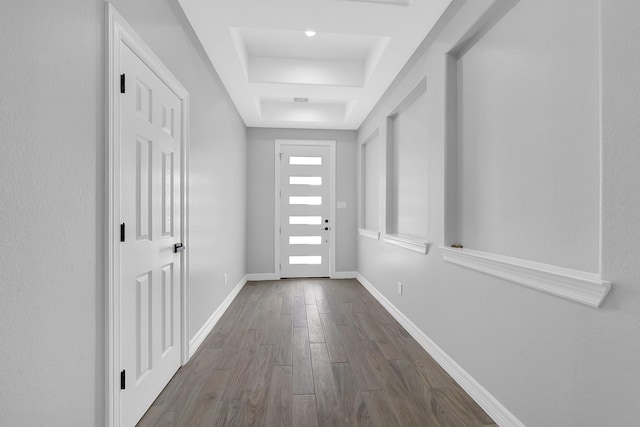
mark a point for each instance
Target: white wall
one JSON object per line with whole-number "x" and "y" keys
{"x": 52, "y": 198}
{"x": 261, "y": 195}
{"x": 549, "y": 361}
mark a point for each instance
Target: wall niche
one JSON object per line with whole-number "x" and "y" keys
{"x": 523, "y": 148}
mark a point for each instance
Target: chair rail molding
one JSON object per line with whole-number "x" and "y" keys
{"x": 580, "y": 286}
{"x": 408, "y": 242}
{"x": 372, "y": 234}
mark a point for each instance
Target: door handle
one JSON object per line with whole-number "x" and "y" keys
{"x": 179, "y": 247}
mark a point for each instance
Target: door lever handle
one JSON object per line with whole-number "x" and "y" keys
{"x": 179, "y": 247}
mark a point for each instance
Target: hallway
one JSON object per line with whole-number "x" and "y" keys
{"x": 308, "y": 352}
{"x": 485, "y": 195}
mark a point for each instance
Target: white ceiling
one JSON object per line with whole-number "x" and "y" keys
{"x": 260, "y": 51}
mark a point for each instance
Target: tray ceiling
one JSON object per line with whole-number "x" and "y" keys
{"x": 277, "y": 76}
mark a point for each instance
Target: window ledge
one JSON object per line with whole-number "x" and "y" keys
{"x": 575, "y": 285}
{"x": 415, "y": 244}
{"x": 369, "y": 233}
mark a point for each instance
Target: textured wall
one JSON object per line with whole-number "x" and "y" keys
{"x": 261, "y": 195}
{"x": 51, "y": 213}
{"x": 550, "y": 361}
{"x": 611, "y": 347}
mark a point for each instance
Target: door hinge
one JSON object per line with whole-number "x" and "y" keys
{"x": 280, "y": 156}
{"x": 280, "y": 267}
{"x": 122, "y": 83}
{"x": 122, "y": 232}
{"x": 123, "y": 381}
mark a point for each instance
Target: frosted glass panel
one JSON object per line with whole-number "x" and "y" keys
{"x": 305, "y": 240}
{"x": 305, "y": 220}
{"x": 314, "y": 161}
{"x": 309, "y": 260}
{"x": 305, "y": 200}
{"x": 305, "y": 180}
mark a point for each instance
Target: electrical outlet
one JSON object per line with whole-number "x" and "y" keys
{"x": 224, "y": 279}
{"x": 399, "y": 288}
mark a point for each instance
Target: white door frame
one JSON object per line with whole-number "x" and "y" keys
{"x": 332, "y": 200}
{"x": 119, "y": 31}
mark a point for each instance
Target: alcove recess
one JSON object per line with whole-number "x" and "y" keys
{"x": 406, "y": 201}
{"x": 370, "y": 186}
{"x": 522, "y": 173}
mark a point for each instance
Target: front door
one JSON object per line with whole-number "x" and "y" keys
{"x": 305, "y": 208}
{"x": 150, "y": 269}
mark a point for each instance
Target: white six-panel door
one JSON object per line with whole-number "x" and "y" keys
{"x": 305, "y": 208}
{"x": 150, "y": 162}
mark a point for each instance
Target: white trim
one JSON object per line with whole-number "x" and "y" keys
{"x": 483, "y": 398}
{"x": 375, "y": 235}
{"x": 332, "y": 207}
{"x": 344, "y": 275}
{"x": 119, "y": 31}
{"x": 407, "y": 242}
{"x": 332, "y": 198}
{"x": 206, "y": 329}
{"x": 575, "y": 285}
{"x": 277, "y": 195}
{"x": 257, "y": 277}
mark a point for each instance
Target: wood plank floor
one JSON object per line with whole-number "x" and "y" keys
{"x": 311, "y": 352}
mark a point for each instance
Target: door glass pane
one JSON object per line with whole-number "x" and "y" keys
{"x": 305, "y": 180}
{"x": 305, "y": 240}
{"x": 309, "y": 260}
{"x": 316, "y": 161}
{"x": 305, "y": 200}
{"x": 305, "y": 220}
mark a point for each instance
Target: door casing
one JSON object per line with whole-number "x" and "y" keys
{"x": 332, "y": 200}
{"x": 118, "y": 32}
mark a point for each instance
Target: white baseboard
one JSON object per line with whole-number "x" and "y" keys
{"x": 255, "y": 277}
{"x": 199, "y": 337}
{"x": 344, "y": 275}
{"x": 490, "y": 404}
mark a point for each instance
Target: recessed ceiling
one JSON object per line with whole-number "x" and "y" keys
{"x": 264, "y": 58}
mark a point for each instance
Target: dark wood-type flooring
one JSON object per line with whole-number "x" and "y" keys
{"x": 311, "y": 352}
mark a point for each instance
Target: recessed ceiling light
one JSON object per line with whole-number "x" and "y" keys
{"x": 310, "y": 33}
{"x": 300, "y": 99}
